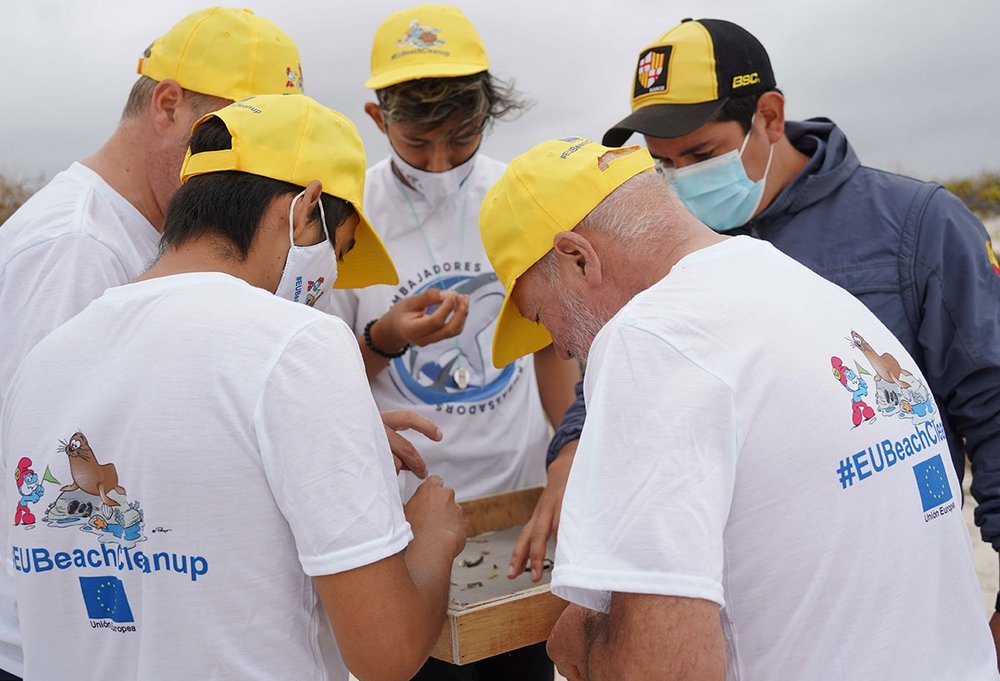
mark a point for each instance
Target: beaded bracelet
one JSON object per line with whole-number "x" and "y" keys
{"x": 380, "y": 353}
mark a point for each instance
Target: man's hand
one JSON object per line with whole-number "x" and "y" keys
{"x": 410, "y": 320}
{"x": 566, "y": 642}
{"x": 404, "y": 455}
{"x": 544, "y": 522}
{"x": 432, "y": 512}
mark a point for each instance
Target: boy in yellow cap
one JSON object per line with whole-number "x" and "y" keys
{"x": 97, "y": 224}
{"x": 724, "y": 517}
{"x": 240, "y": 514}
{"x": 426, "y": 341}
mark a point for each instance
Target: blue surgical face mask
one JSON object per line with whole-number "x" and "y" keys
{"x": 718, "y": 191}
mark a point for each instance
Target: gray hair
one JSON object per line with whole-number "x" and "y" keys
{"x": 637, "y": 211}
{"x": 640, "y": 211}
{"x": 142, "y": 94}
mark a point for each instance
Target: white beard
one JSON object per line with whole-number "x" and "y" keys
{"x": 587, "y": 324}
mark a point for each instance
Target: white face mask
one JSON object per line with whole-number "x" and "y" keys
{"x": 435, "y": 187}
{"x": 309, "y": 270}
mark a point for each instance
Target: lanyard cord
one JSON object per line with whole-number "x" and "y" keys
{"x": 459, "y": 374}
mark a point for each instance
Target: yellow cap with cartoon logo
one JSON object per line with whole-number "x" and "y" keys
{"x": 426, "y": 41}
{"x": 227, "y": 53}
{"x": 547, "y": 190}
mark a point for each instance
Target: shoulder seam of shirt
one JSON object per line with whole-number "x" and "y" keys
{"x": 654, "y": 334}
{"x": 52, "y": 240}
{"x": 292, "y": 335}
{"x": 737, "y": 439}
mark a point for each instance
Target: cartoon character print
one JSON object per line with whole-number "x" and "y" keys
{"x": 894, "y": 385}
{"x": 314, "y": 290}
{"x": 915, "y": 401}
{"x": 94, "y": 501}
{"x": 293, "y": 78}
{"x": 31, "y": 491}
{"x": 420, "y": 36}
{"x": 854, "y": 384}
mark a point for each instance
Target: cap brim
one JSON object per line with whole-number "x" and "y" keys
{"x": 368, "y": 263}
{"x": 662, "y": 120}
{"x": 418, "y": 71}
{"x": 515, "y": 335}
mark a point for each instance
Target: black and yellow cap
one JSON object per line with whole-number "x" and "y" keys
{"x": 688, "y": 74}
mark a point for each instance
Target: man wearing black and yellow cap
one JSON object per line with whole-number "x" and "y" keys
{"x": 727, "y": 516}
{"x": 223, "y": 502}
{"x": 704, "y": 97}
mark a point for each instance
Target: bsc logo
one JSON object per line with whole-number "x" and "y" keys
{"x": 746, "y": 79}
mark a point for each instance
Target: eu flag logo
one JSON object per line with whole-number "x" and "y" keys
{"x": 105, "y": 599}
{"x": 932, "y": 481}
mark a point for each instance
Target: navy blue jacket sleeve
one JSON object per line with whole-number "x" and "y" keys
{"x": 571, "y": 426}
{"x": 957, "y": 295}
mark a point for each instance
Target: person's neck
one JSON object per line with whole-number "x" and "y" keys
{"x": 206, "y": 254}
{"x": 645, "y": 266}
{"x": 788, "y": 162}
{"x": 124, "y": 164}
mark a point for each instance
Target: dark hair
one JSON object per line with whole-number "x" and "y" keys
{"x": 480, "y": 99}
{"x": 740, "y": 109}
{"x": 231, "y": 203}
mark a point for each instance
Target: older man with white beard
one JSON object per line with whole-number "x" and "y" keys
{"x": 724, "y": 516}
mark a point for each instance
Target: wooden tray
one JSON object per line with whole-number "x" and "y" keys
{"x": 508, "y": 614}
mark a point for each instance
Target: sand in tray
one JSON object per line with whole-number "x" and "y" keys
{"x": 479, "y": 573}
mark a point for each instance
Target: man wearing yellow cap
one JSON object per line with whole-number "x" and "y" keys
{"x": 725, "y": 517}
{"x": 222, "y": 498}
{"x": 97, "y": 224}
{"x": 426, "y": 341}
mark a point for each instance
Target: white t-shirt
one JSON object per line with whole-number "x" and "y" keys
{"x": 237, "y": 436}
{"x": 69, "y": 242}
{"x": 720, "y": 460}
{"x": 495, "y": 432}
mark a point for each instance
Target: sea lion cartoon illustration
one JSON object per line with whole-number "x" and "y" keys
{"x": 88, "y": 474}
{"x": 885, "y": 365}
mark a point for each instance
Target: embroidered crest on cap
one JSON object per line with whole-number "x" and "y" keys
{"x": 651, "y": 73}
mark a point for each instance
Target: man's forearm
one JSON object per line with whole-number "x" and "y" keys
{"x": 656, "y": 639}
{"x": 571, "y": 426}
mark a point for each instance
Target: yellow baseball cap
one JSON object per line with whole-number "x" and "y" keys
{"x": 426, "y": 41}
{"x": 688, "y": 75}
{"x": 295, "y": 139}
{"x": 547, "y": 190}
{"x": 228, "y": 53}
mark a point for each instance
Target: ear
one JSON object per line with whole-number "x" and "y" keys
{"x": 771, "y": 110}
{"x": 577, "y": 258}
{"x": 374, "y": 112}
{"x": 302, "y": 231}
{"x": 165, "y": 105}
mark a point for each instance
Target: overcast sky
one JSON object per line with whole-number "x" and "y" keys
{"x": 912, "y": 82}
